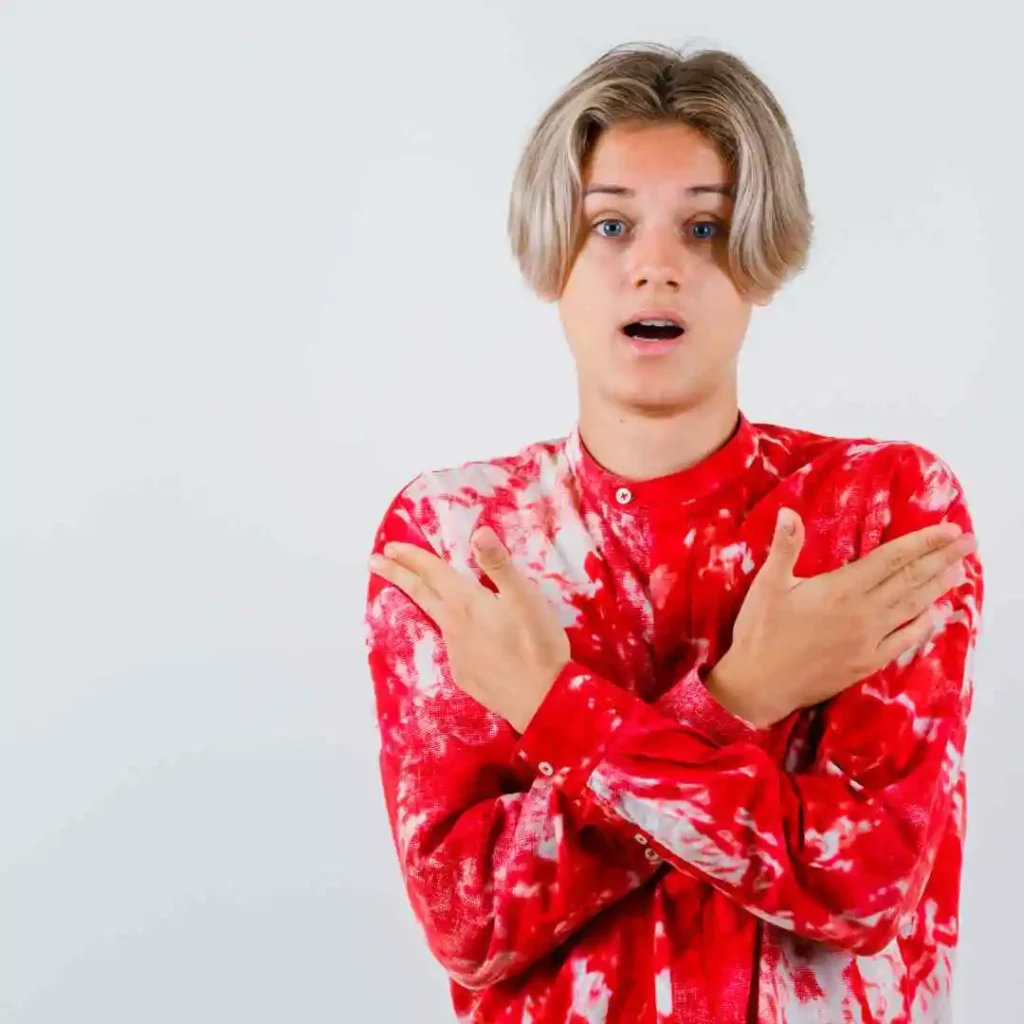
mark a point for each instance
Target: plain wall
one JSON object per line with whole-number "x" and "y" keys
{"x": 253, "y": 279}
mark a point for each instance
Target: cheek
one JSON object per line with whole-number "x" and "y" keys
{"x": 723, "y": 314}
{"x": 596, "y": 260}
{"x": 584, "y": 270}
{"x": 734, "y": 319}
{"x": 721, "y": 294}
{"x": 575, "y": 320}
{"x": 581, "y": 299}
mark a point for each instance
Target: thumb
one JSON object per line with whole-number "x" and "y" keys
{"x": 787, "y": 544}
{"x": 493, "y": 558}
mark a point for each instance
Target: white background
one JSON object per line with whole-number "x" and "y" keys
{"x": 253, "y": 279}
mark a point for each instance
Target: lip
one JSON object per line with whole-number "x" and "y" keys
{"x": 650, "y": 349}
{"x": 655, "y": 313}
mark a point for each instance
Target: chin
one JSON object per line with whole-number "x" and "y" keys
{"x": 655, "y": 404}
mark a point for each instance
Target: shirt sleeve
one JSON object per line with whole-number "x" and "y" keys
{"x": 499, "y": 863}
{"x": 839, "y": 853}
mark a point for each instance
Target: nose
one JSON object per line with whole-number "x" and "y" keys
{"x": 657, "y": 262}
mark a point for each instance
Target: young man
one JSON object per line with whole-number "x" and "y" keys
{"x": 672, "y": 710}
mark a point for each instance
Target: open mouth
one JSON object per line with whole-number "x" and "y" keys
{"x": 654, "y": 330}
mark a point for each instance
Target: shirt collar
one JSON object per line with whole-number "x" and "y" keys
{"x": 716, "y": 472}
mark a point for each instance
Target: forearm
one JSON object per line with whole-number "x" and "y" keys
{"x": 693, "y": 702}
{"x": 499, "y": 865}
{"x": 837, "y": 854}
{"x": 501, "y": 883}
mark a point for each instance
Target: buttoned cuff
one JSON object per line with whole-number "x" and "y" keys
{"x": 570, "y": 731}
{"x": 691, "y": 704}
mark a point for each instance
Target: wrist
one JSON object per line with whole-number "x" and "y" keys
{"x": 740, "y": 693}
{"x": 567, "y": 754}
{"x": 532, "y": 697}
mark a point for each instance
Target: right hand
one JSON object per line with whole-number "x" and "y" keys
{"x": 798, "y": 642}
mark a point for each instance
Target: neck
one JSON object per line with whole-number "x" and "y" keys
{"x": 638, "y": 446}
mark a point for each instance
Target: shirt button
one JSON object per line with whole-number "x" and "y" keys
{"x": 641, "y": 838}
{"x": 545, "y": 768}
{"x": 623, "y": 495}
{"x": 651, "y": 855}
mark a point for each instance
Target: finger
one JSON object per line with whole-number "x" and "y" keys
{"x": 442, "y": 577}
{"x": 413, "y": 586}
{"x": 919, "y": 600}
{"x": 495, "y": 561}
{"x": 923, "y": 571}
{"x": 787, "y": 542}
{"x": 906, "y": 638}
{"x": 867, "y": 572}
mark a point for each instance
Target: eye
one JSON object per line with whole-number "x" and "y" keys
{"x": 705, "y": 230}
{"x": 619, "y": 227}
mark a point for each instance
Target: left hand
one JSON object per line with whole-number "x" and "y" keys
{"x": 505, "y": 649}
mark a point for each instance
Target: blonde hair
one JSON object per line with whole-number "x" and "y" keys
{"x": 711, "y": 91}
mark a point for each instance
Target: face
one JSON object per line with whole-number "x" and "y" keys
{"x": 655, "y": 224}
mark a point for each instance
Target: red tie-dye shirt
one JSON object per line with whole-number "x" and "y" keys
{"x": 640, "y": 854}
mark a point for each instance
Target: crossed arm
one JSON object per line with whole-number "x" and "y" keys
{"x": 499, "y": 863}
{"x": 508, "y": 843}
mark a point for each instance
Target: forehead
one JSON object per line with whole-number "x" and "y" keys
{"x": 647, "y": 156}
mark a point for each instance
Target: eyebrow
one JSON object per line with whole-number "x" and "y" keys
{"x": 693, "y": 190}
